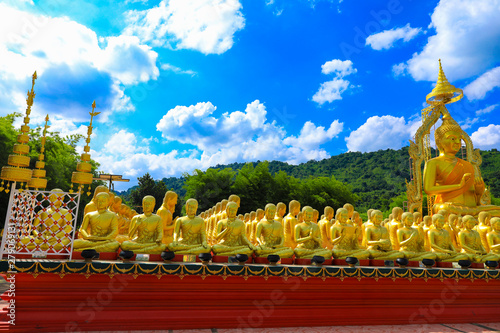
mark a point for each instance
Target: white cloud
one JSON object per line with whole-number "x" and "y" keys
{"x": 177, "y": 70}
{"x": 486, "y": 137}
{"x": 72, "y": 68}
{"x": 382, "y": 132}
{"x": 332, "y": 90}
{"x": 478, "y": 88}
{"x": 467, "y": 40}
{"x": 204, "y": 25}
{"x": 386, "y": 39}
{"x": 486, "y": 110}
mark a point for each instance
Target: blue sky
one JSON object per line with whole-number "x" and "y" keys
{"x": 185, "y": 84}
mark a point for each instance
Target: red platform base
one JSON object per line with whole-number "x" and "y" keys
{"x": 102, "y": 255}
{"x": 308, "y": 262}
{"x": 444, "y": 264}
{"x": 263, "y": 260}
{"x": 341, "y": 262}
{"x": 225, "y": 259}
{"x": 376, "y": 262}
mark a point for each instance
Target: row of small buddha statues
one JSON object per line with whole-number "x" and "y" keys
{"x": 341, "y": 234}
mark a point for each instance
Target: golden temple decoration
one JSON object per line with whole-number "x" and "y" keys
{"x": 38, "y": 179}
{"x": 17, "y": 170}
{"x": 83, "y": 174}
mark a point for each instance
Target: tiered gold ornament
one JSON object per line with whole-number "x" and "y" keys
{"x": 17, "y": 170}
{"x": 38, "y": 180}
{"x": 444, "y": 92}
{"x": 83, "y": 175}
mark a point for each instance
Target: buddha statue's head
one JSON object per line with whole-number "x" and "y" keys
{"x": 294, "y": 207}
{"x": 445, "y": 214}
{"x": 427, "y": 220}
{"x": 469, "y": 222}
{"x": 280, "y": 209}
{"x": 117, "y": 202}
{"x": 252, "y": 215}
{"x": 453, "y": 218}
{"x": 148, "y": 204}
{"x": 307, "y": 213}
{"x": 438, "y": 221}
{"x": 342, "y": 215}
{"x": 448, "y": 136}
{"x": 417, "y": 217}
{"x": 484, "y": 218}
{"x": 217, "y": 208}
{"x": 191, "y": 207}
{"x": 397, "y": 212}
{"x": 231, "y": 210}
{"x": 260, "y": 214}
{"x": 350, "y": 209}
{"x": 123, "y": 210}
{"x": 240, "y": 217}
{"x": 270, "y": 211}
{"x": 223, "y": 204}
{"x": 315, "y": 215}
{"x": 111, "y": 199}
{"x": 495, "y": 224}
{"x": 132, "y": 213}
{"x": 300, "y": 217}
{"x": 100, "y": 189}
{"x": 234, "y": 198}
{"x": 170, "y": 199}
{"x": 56, "y": 199}
{"x": 355, "y": 216}
{"x": 246, "y": 217}
{"x": 407, "y": 219}
{"x": 101, "y": 201}
{"x": 328, "y": 213}
{"x": 376, "y": 217}
{"x": 369, "y": 213}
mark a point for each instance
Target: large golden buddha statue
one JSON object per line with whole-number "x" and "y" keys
{"x": 146, "y": 230}
{"x": 189, "y": 232}
{"x": 99, "y": 228}
{"x": 270, "y": 237}
{"x": 452, "y": 184}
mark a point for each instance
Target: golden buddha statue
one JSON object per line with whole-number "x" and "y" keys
{"x": 300, "y": 217}
{"x": 493, "y": 237}
{"x": 315, "y": 216}
{"x": 290, "y": 221}
{"x": 280, "y": 212}
{"x": 483, "y": 228}
{"x": 234, "y": 198}
{"x": 357, "y": 222}
{"x": 230, "y": 235}
{"x": 367, "y": 224}
{"x": 259, "y": 215}
{"x": 223, "y": 215}
{"x": 378, "y": 241}
{"x": 426, "y": 226}
{"x": 99, "y": 228}
{"x": 345, "y": 238}
{"x": 411, "y": 241}
{"x": 123, "y": 222}
{"x": 91, "y": 206}
{"x": 248, "y": 225}
{"x": 116, "y": 205}
{"x": 350, "y": 212}
{"x": 51, "y": 226}
{"x": 308, "y": 238}
{"x": 270, "y": 237}
{"x": 470, "y": 241}
{"x": 189, "y": 232}
{"x": 166, "y": 212}
{"x": 440, "y": 241}
{"x": 146, "y": 230}
{"x": 111, "y": 200}
{"x": 212, "y": 226}
{"x": 324, "y": 228}
{"x": 393, "y": 226}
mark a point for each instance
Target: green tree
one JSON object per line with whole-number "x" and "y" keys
{"x": 147, "y": 186}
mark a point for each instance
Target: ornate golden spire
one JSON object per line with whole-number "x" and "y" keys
{"x": 444, "y": 92}
{"x": 38, "y": 180}
{"x": 83, "y": 175}
{"x": 17, "y": 170}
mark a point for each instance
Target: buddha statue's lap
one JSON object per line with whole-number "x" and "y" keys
{"x": 190, "y": 232}
{"x": 99, "y": 228}
{"x": 270, "y": 236}
{"x": 230, "y": 235}
{"x": 146, "y": 231}
{"x": 308, "y": 238}
{"x": 345, "y": 238}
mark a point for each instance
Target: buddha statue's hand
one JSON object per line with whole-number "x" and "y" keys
{"x": 205, "y": 245}
{"x": 465, "y": 179}
{"x": 479, "y": 185}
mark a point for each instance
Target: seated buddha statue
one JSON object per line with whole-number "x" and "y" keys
{"x": 308, "y": 238}
{"x": 357, "y": 222}
{"x": 470, "y": 241}
{"x": 367, "y": 224}
{"x": 248, "y": 224}
{"x": 493, "y": 238}
{"x": 440, "y": 242}
{"x": 270, "y": 237}
{"x": 51, "y": 226}
{"x": 116, "y": 205}
{"x": 453, "y": 181}
{"x": 166, "y": 212}
{"x": 483, "y": 228}
{"x": 91, "y": 206}
{"x": 189, "y": 232}
{"x": 427, "y": 225}
{"x": 345, "y": 238}
{"x": 280, "y": 212}
{"x": 324, "y": 228}
{"x": 290, "y": 221}
{"x": 393, "y": 226}
{"x": 146, "y": 230}
{"x": 411, "y": 242}
{"x": 230, "y": 235}
{"x": 99, "y": 228}
{"x": 378, "y": 241}
{"x": 259, "y": 215}
{"x": 315, "y": 216}
{"x": 212, "y": 225}
{"x": 350, "y": 212}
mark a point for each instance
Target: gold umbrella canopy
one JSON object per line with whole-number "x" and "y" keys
{"x": 444, "y": 92}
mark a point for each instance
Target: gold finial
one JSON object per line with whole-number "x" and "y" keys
{"x": 38, "y": 180}
{"x": 444, "y": 92}
{"x": 83, "y": 175}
